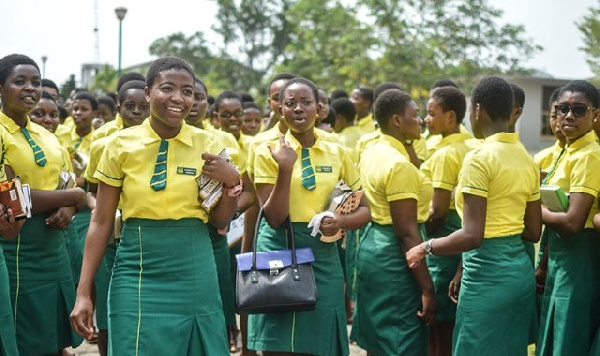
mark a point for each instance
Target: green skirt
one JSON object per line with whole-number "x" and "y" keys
{"x": 496, "y": 299}
{"x": 102, "y": 282}
{"x": 77, "y": 233}
{"x": 163, "y": 297}
{"x": 595, "y": 350}
{"x": 42, "y": 291}
{"x": 570, "y": 310}
{"x": 352, "y": 242}
{"x": 443, "y": 268}
{"x": 223, "y": 262}
{"x": 387, "y": 297}
{"x": 8, "y": 343}
{"x": 319, "y": 332}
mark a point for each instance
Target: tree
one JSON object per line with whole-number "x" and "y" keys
{"x": 590, "y": 28}
{"x": 67, "y": 86}
{"x": 105, "y": 80}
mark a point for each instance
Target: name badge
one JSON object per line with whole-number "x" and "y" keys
{"x": 324, "y": 169}
{"x": 186, "y": 171}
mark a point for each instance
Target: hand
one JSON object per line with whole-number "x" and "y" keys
{"x": 415, "y": 255}
{"x": 220, "y": 170}
{"x": 331, "y": 226}
{"x": 429, "y": 308}
{"x": 81, "y": 200}
{"x": 542, "y": 176}
{"x": 9, "y": 227}
{"x": 454, "y": 287}
{"x": 540, "y": 280}
{"x": 61, "y": 218}
{"x": 285, "y": 156}
{"x": 82, "y": 317}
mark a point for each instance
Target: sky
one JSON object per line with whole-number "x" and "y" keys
{"x": 63, "y": 31}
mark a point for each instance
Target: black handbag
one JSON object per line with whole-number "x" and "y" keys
{"x": 275, "y": 281}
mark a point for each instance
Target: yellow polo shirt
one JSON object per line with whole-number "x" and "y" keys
{"x": 444, "y": 165}
{"x": 366, "y": 124}
{"x": 577, "y": 171}
{"x": 108, "y": 128}
{"x": 432, "y": 141}
{"x": 349, "y": 138}
{"x": 390, "y": 179}
{"x": 225, "y": 140}
{"x": 129, "y": 161}
{"x": 502, "y": 171}
{"x": 96, "y": 150}
{"x": 19, "y": 155}
{"x": 546, "y": 158}
{"x": 370, "y": 138}
{"x": 84, "y": 146}
{"x": 64, "y": 130}
{"x": 330, "y": 164}
{"x": 265, "y": 136}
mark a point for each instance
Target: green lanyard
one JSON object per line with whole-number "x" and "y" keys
{"x": 545, "y": 180}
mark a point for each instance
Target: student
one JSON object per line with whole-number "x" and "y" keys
{"x": 133, "y": 110}
{"x": 338, "y": 93}
{"x": 41, "y": 284}
{"x": 51, "y": 88}
{"x": 229, "y": 112}
{"x": 253, "y": 118}
{"x": 153, "y": 168}
{"x": 46, "y": 113}
{"x": 283, "y": 190}
{"x": 393, "y": 302}
{"x": 518, "y": 105}
{"x": 84, "y": 110}
{"x": 570, "y": 310}
{"x": 8, "y": 344}
{"x": 546, "y": 157}
{"x": 498, "y": 212}
{"x": 445, "y": 112}
{"x": 348, "y": 133}
{"x": 363, "y": 98}
{"x": 107, "y": 109}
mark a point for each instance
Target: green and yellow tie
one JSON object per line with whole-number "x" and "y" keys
{"x": 78, "y": 142}
{"x": 159, "y": 178}
{"x": 308, "y": 174}
{"x": 38, "y": 154}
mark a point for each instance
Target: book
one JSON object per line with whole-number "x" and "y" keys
{"x": 343, "y": 201}
{"x": 554, "y": 198}
{"x": 210, "y": 190}
{"x": 12, "y": 196}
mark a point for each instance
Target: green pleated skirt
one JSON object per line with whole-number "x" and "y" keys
{"x": 42, "y": 291}
{"x": 443, "y": 268}
{"x": 387, "y": 297}
{"x": 102, "y": 282}
{"x": 570, "y": 309}
{"x": 8, "y": 343}
{"x": 496, "y": 299}
{"x": 226, "y": 286}
{"x": 318, "y": 332}
{"x": 595, "y": 350}
{"x": 163, "y": 297}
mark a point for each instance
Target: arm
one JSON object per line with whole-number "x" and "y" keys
{"x": 454, "y": 287}
{"x": 248, "y": 194}
{"x": 573, "y": 220}
{"x": 440, "y": 205}
{"x": 533, "y": 221}
{"x": 45, "y": 201}
{"x": 355, "y": 220}
{"x": 9, "y": 227}
{"x": 412, "y": 154}
{"x": 597, "y": 221}
{"x": 217, "y": 168}
{"x": 540, "y": 273}
{"x": 95, "y": 245}
{"x": 465, "y": 239}
{"x": 404, "y": 219}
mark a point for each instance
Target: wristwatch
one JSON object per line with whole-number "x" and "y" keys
{"x": 429, "y": 247}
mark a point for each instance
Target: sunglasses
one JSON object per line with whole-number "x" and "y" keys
{"x": 577, "y": 110}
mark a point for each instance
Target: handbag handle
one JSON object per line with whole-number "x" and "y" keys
{"x": 290, "y": 239}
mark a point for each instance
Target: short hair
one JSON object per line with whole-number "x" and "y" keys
{"x": 584, "y": 87}
{"x": 245, "y": 96}
{"x": 132, "y": 84}
{"x": 338, "y": 93}
{"x": 127, "y": 77}
{"x": 383, "y": 87}
{"x": 366, "y": 94}
{"x": 50, "y": 84}
{"x": 299, "y": 80}
{"x": 281, "y": 76}
{"x": 108, "y": 101}
{"x": 451, "y": 99}
{"x": 345, "y": 108}
{"x": 252, "y": 105}
{"x": 495, "y": 96}
{"x": 199, "y": 81}
{"x": 518, "y": 95}
{"x": 84, "y": 95}
{"x": 554, "y": 96}
{"x": 390, "y": 102}
{"x": 330, "y": 119}
{"x": 8, "y": 64}
{"x": 47, "y": 96}
{"x": 62, "y": 112}
{"x": 444, "y": 83}
{"x": 227, "y": 94}
{"x": 164, "y": 64}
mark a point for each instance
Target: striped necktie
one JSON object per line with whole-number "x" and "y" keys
{"x": 308, "y": 174}
{"x": 38, "y": 154}
{"x": 159, "y": 178}
{"x": 78, "y": 142}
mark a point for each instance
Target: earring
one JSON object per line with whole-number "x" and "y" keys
{"x": 477, "y": 112}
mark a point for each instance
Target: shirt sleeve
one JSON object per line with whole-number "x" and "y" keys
{"x": 475, "y": 176}
{"x": 265, "y": 167}
{"x": 402, "y": 182}
{"x": 95, "y": 154}
{"x": 445, "y": 170}
{"x": 584, "y": 174}
{"x": 109, "y": 168}
{"x": 350, "y": 173}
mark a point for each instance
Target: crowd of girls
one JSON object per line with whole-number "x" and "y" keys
{"x": 439, "y": 256}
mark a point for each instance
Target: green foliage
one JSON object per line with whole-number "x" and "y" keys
{"x": 105, "y": 80}
{"x": 590, "y": 28}
{"x": 67, "y": 86}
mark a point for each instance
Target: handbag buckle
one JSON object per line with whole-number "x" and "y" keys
{"x": 295, "y": 274}
{"x": 274, "y": 267}
{"x": 253, "y": 277}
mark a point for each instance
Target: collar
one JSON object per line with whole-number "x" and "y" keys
{"x": 295, "y": 144}
{"x": 392, "y": 141}
{"x": 505, "y": 137}
{"x": 583, "y": 141}
{"x": 365, "y": 120}
{"x": 75, "y": 136}
{"x": 10, "y": 125}
{"x": 453, "y": 138}
{"x": 149, "y": 136}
